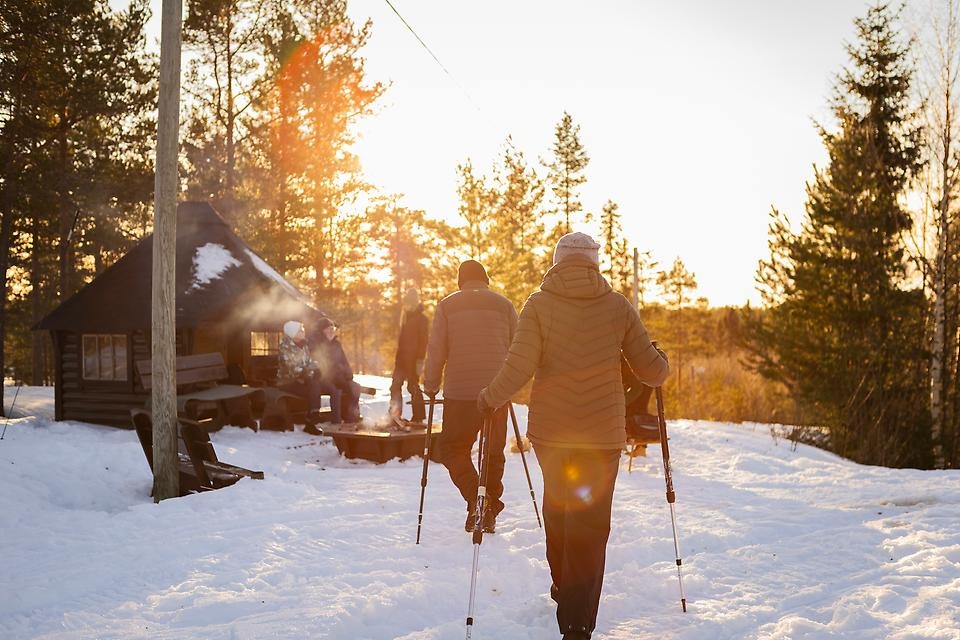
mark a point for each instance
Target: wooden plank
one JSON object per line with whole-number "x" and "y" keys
{"x": 191, "y": 376}
{"x": 195, "y": 361}
{"x": 106, "y": 399}
{"x": 201, "y": 367}
{"x": 96, "y": 408}
{"x": 98, "y": 417}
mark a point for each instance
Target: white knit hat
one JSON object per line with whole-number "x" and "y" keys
{"x": 291, "y": 328}
{"x": 576, "y": 244}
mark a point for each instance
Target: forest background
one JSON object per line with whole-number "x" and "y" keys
{"x": 856, "y": 344}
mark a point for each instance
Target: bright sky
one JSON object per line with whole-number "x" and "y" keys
{"x": 697, "y": 115}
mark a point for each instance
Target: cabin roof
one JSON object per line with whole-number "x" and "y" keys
{"x": 215, "y": 271}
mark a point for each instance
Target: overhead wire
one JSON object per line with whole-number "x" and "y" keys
{"x": 434, "y": 56}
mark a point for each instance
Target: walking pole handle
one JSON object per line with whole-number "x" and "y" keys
{"x": 665, "y": 447}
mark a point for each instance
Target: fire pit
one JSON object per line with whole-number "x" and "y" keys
{"x": 378, "y": 443}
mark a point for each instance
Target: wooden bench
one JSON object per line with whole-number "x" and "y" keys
{"x": 209, "y": 468}
{"x": 206, "y": 399}
{"x": 200, "y": 469}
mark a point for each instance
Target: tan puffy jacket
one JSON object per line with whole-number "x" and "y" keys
{"x": 570, "y": 336}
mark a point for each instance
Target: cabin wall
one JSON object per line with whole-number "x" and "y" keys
{"x": 106, "y": 403}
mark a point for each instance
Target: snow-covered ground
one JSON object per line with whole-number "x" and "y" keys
{"x": 777, "y": 543}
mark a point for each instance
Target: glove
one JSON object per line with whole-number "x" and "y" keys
{"x": 482, "y": 405}
{"x": 662, "y": 353}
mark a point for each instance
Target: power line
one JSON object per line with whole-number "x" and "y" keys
{"x": 433, "y": 55}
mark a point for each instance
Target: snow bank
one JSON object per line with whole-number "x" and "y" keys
{"x": 776, "y": 542}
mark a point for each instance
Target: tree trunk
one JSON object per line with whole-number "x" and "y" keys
{"x": 66, "y": 215}
{"x": 938, "y": 344}
{"x": 6, "y": 232}
{"x": 231, "y": 121}
{"x": 36, "y": 340}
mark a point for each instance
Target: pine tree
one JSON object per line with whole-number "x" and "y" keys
{"x": 79, "y": 93}
{"x": 646, "y": 274}
{"x": 475, "y": 209}
{"x": 517, "y": 229}
{"x": 612, "y": 233}
{"x": 677, "y": 286}
{"x": 566, "y": 173}
{"x": 843, "y": 332}
{"x": 224, "y": 83}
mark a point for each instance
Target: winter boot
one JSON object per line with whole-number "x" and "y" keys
{"x": 488, "y": 523}
{"x": 576, "y": 634}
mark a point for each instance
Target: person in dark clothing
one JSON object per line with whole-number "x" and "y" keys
{"x": 471, "y": 334}
{"x": 571, "y": 338}
{"x": 336, "y": 374}
{"x": 408, "y": 364}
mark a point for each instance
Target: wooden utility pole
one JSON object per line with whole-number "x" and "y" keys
{"x": 166, "y": 464}
{"x": 636, "y": 279}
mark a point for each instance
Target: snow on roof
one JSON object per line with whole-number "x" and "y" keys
{"x": 209, "y": 263}
{"x": 271, "y": 273}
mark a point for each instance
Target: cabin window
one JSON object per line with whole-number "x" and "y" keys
{"x": 105, "y": 357}
{"x": 264, "y": 343}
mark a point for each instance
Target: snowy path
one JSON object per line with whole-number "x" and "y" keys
{"x": 776, "y": 543}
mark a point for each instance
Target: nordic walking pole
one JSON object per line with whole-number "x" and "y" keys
{"x": 671, "y": 496}
{"x": 426, "y": 464}
{"x": 6, "y": 416}
{"x": 526, "y": 469}
{"x": 478, "y": 518}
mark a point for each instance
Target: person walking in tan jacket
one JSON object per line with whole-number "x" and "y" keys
{"x": 570, "y": 337}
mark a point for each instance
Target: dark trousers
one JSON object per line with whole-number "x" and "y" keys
{"x": 350, "y": 401}
{"x": 577, "y": 498}
{"x": 407, "y": 374}
{"x": 461, "y": 424}
{"x": 310, "y": 389}
{"x": 344, "y": 399}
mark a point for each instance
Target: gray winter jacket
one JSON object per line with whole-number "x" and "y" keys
{"x": 471, "y": 334}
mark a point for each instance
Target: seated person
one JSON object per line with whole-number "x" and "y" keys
{"x": 299, "y": 373}
{"x": 335, "y": 371}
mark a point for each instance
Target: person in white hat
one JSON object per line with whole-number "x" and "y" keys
{"x": 299, "y": 373}
{"x": 571, "y": 337}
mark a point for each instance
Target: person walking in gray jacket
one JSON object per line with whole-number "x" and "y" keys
{"x": 471, "y": 335}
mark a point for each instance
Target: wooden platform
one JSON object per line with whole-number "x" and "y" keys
{"x": 378, "y": 443}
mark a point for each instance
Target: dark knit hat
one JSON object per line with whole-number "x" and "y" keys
{"x": 471, "y": 270}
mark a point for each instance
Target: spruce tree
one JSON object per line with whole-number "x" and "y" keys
{"x": 844, "y": 332}
{"x": 517, "y": 229}
{"x": 566, "y": 173}
{"x": 611, "y": 232}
